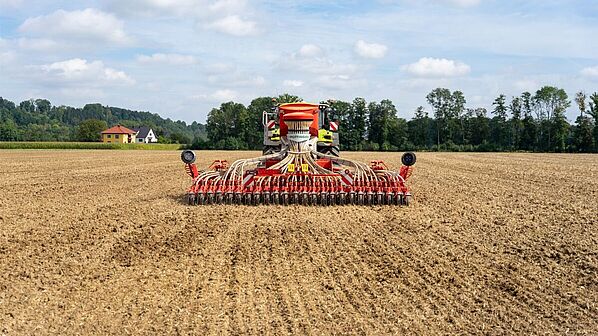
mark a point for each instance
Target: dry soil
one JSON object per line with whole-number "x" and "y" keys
{"x": 101, "y": 242}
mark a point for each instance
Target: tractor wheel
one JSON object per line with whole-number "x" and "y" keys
{"x": 408, "y": 159}
{"x": 285, "y": 199}
{"x": 407, "y": 200}
{"x": 191, "y": 199}
{"x": 351, "y": 199}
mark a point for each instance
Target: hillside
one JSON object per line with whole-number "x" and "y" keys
{"x": 39, "y": 120}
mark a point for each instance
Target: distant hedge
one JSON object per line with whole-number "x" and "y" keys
{"x": 86, "y": 145}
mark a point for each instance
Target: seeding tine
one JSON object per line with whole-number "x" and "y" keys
{"x": 303, "y": 198}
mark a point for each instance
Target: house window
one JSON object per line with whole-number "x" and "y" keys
{"x": 139, "y": 139}
{"x": 116, "y": 136}
{"x": 109, "y": 136}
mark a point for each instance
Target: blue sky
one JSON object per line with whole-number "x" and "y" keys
{"x": 180, "y": 58}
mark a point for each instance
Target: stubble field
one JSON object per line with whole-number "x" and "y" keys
{"x": 101, "y": 242}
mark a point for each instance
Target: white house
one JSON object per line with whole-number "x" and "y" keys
{"x": 145, "y": 135}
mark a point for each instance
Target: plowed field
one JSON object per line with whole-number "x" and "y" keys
{"x": 101, "y": 242}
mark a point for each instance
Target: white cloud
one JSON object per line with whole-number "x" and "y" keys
{"x": 234, "y": 25}
{"x": 228, "y": 6}
{"x": 310, "y": 50}
{"x": 437, "y": 67}
{"x": 80, "y": 70}
{"x": 84, "y": 24}
{"x": 157, "y": 7}
{"x": 310, "y": 59}
{"x": 7, "y": 57}
{"x": 218, "y": 96}
{"x": 590, "y": 71}
{"x": 172, "y": 59}
{"x": 527, "y": 84}
{"x": 220, "y": 68}
{"x": 292, "y": 83}
{"x": 37, "y": 44}
{"x": 224, "y": 95}
{"x": 237, "y": 79}
{"x": 370, "y": 50}
{"x": 465, "y": 3}
{"x": 10, "y": 3}
{"x": 339, "y": 82}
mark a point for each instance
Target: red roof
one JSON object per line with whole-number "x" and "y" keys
{"x": 118, "y": 129}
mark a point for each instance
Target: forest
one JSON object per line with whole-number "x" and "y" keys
{"x": 534, "y": 122}
{"x": 39, "y": 120}
{"x": 529, "y": 122}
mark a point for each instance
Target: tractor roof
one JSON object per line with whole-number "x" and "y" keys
{"x": 299, "y": 107}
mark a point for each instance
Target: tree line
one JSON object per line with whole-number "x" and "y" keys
{"x": 39, "y": 120}
{"x": 528, "y": 122}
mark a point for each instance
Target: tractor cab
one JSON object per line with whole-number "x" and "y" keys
{"x": 328, "y": 140}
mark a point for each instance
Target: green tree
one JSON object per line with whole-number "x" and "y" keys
{"x": 340, "y": 113}
{"x": 419, "y": 129}
{"x": 580, "y": 100}
{"x": 180, "y": 138}
{"x": 381, "y": 117}
{"x": 9, "y": 131}
{"x": 355, "y": 127}
{"x": 441, "y": 100}
{"x": 498, "y": 124}
{"x": 90, "y": 130}
{"x": 227, "y": 123}
{"x": 551, "y": 104}
{"x": 43, "y": 105}
{"x": 583, "y": 136}
{"x": 456, "y": 120}
{"x": 254, "y": 128}
{"x": 288, "y": 98}
{"x": 516, "y": 124}
{"x": 480, "y": 126}
{"x": 594, "y": 113}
